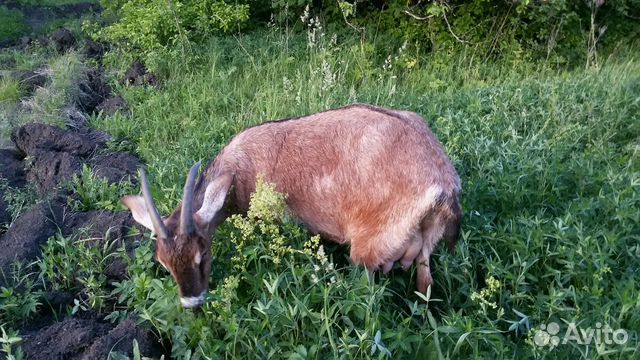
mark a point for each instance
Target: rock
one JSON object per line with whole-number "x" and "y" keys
{"x": 51, "y": 169}
{"x": 12, "y": 168}
{"x": 116, "y": 167}
{"x": 121, "y": 338}
{"x": 63, "y": 39}
{"x": 93, "y": 91}
{"x": 67, "y": 339}
{"x": 33, "y": 139}
{"x": 27, "y": 234}
{"x": 112, "y": 105}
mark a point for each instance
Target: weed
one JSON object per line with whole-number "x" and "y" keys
{"x": 10, "y": 344}
{"x": 19, "y": 200}
{"x": 73, "y": 263}
{"x": 95, "y": 192}
{"x": 9, "y": 90}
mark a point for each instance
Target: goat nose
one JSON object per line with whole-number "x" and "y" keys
{"x": 190, "y": 302}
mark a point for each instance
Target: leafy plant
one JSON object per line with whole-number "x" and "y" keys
{"x": 18, "y": 300}
{"x": 95, "y": 192}
{"x": 69, "y": 263}
{"x": 10, "y": 344}
{"x": 152, "y": 25}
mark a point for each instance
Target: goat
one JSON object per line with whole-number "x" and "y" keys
{"x": 375, "y": 178}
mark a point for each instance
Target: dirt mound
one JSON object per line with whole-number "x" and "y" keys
{"x": 93, "y": 50}
{"x": 87, "y": 337}
{"x": 121, "y": 338}
{"x": 34, "y": 138}
{"x": 12, "y": 168}
{"x": 27, "y": 234}
{"x": 31, "y": 80}
{"x": 50, "y": 169}
{"x": 98, "y": 224}
{"x": 55, "y": 302}
{"x": 5, "y": 216}
{"x": 63, "y": 39}
{"x": 93, "y": 91}
{"x": 112, "y": 105}
{"x": 67, "y": 339}
{"x": 57, "y": 155}
{"x": 116, "y": 167}
{"x": 137, "y": 75}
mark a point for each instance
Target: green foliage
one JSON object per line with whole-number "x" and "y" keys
{"x": 19, "y": 200}
{"x": 151, "y": 25}
{"x": 556, "y": 30}
{"x": 19, "y": 300}
{"x": 95, "y": 192}
{"x": 12, "y": 24}
{"x": 10, "y": 344}
{"x": 73, "y": 263}
{"x": 9, "y": 90}
{"x": 136, "y": 354}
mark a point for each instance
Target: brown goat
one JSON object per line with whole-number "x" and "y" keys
{"x": 375, "y": 178}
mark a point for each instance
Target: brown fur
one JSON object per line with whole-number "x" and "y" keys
{"x": 375, "y": 178}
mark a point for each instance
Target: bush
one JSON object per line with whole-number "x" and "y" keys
{"x": 561, "y": 29}
{"x": 151, "y": 25}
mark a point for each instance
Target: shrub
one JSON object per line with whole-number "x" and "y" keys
{"x": 151, "y": 25}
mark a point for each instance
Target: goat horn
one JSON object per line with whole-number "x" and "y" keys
{"x": 156, "y": 220}
{"x": 186, "y": 215}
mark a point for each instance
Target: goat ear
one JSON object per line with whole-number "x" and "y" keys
{"x": 139, "y": 210}
{"x": 213, "y": 200}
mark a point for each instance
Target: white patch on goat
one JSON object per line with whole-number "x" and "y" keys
{"x": 325, "y": 183}
{"x": 198, "y": 258}
{"x": 192, "y": 301}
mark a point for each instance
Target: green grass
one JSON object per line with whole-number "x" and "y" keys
{"x": 550, "y": 172}
{"x": 12, "y": 24}
{"x": 9, "y": 90}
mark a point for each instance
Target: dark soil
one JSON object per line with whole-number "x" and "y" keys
{"x": 93, "y": 50}
{"x": 32, "y": 139}
{"x": 5, "y": 215}
{"x": 56, "y": 155}
{"x": 63, "y": 39}
{"x": 31, "y": 80}
{"x": 137, "y": 75}
{"x": 93, "y": 91}
{"x": 112, "y": 105}
{"x": 86, "y": 337}
{"x": 116, "y": 167}
{"x": 98, "y": 225}
{"x": 121, "y": 338}
{"x": 27, "y": 234}
{"x": 12, "y": 168}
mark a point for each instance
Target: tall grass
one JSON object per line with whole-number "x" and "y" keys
{"x": 550, "y": 172}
